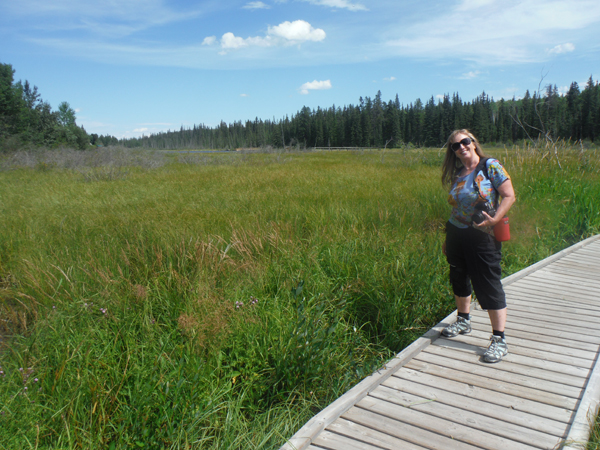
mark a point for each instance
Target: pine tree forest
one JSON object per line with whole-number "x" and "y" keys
{"x": 373, "y": 123}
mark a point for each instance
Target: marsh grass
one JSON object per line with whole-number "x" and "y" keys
{"x": 217, "y": 301}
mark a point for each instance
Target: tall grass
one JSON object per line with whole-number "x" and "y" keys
{"x": 217, "y": 301}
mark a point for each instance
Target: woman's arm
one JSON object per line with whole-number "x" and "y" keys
{"x": 507, "y": 193}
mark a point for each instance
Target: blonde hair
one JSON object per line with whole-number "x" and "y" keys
{"x": 452, "y": 164}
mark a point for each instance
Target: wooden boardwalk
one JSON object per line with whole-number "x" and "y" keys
{"x": 437, "y": 394}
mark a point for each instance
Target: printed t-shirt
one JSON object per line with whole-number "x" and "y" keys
{"x": 463, "y": 197}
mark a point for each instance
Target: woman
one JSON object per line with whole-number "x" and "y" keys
{"x": 470, "y": 248}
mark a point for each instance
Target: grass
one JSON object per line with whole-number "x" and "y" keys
{"x": 217, "y": 301}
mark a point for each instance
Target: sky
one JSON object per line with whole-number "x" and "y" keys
{"x": 135, "y": 67}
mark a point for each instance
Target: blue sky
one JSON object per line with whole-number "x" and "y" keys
{"x": 133, "y": 67}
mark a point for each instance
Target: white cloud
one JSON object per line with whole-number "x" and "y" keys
{"x": 210, "y": 40}
{"x": 315, "y": 86}
{"x": 244, "y": 95}
{"x": 390, "y": 79}
{"x": 562, "y": 48}
{"x": 140, "y": 130}
{"x": 286, "y": 33}
{"x": 439, "y": 97}
{"x": 297, "y": 31}
{"x": 339, "y": 4}
{"x": 256, "y": 5}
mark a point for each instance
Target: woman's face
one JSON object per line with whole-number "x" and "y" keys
{"x": 461, "y": 150}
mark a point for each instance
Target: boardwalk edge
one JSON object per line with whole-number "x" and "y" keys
{"x": 305, "y": 435}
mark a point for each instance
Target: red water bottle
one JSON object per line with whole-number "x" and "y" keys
{"x": 502, "y": 230}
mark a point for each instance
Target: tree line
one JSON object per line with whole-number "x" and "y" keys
{"x": 375, "y": 123}
{"x": 26, "y": 119}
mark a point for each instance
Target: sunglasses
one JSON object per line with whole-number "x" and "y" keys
{"x": 466, "y": 141}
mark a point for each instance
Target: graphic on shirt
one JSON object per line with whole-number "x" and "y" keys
{"x": 463, "y": 197}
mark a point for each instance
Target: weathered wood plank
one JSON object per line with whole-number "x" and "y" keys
{"x": 536, "y": 395}
{"x": 463, "y": 414}
{"x": 561, "y": 280}
{"x": 580, "y": 357}
{"x": 533, "y": 334}
{"x": 494, "y": 373}
{"x": 502, "y": 412}
{"x": 542, "y": 286}
{"x": 333, "y": 441}
{"x": 556, "y": 298}
{"x": 556, "y": 320}
{"x": 448, "y": 428}
{"x": 511, "y": 367}
{"x": 405, "y": 431}
{"x": 431, "y": 375}
{"x": 518, "y": 355}
{"x": 552, "y": 307}
{"x": 371, "y": 436}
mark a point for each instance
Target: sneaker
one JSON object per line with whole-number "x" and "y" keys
{"x": 461, "y": 326}
{"x": 496, "y": 350}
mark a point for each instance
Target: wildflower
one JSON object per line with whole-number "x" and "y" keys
{"x": 20, "y": 369}
{"x": 25, "y": 388}
{"x": 238, "y": 305}
{"x": 53, "y": 306}
{"x": 36, "y": 380}
{"x": 253, "y": 300}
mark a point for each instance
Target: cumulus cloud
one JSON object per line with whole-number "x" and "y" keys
{"x": 315, "y": 86}
{"x": 339, "y": 4}
{"x": 297, "y": 31}
{"x": 562, "y": 48}
{"x": 286, "y": 33}
{"x": 256, "y": 5}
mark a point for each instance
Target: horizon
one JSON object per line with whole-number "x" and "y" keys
{"x": 129, "y": 71}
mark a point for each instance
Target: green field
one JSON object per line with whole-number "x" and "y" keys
{"x": 217, "y": 301}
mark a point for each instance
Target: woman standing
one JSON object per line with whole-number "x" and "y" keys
{"x": 473, "y": 253}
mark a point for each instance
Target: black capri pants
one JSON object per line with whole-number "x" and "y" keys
{"x": 474, "y": 257}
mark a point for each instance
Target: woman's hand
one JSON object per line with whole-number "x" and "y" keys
{"x": 488, "y": 220}
{"x": 507, "y": 193}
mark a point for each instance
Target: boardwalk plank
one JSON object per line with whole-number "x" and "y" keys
{"x": 534, "y": 349}
{"x": 517, "y": 355}
{"x": 542, "y": 286}
{"x": 492, "y": 372}
{"x": 467, "y": 417}
{"x": 483, "y": 407}
{"x": 525, "y": 332}
{"x": 551, "y": 307}
{"x": 332, "y": 441}
{"x": 432, "y": 375}
{"x": 372, "y": 436}
{"x": 452, "y": 430}
{"x": 537, "y": 395}
{"x": 405, "y": 431}
{"x": 511, "y": 367}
